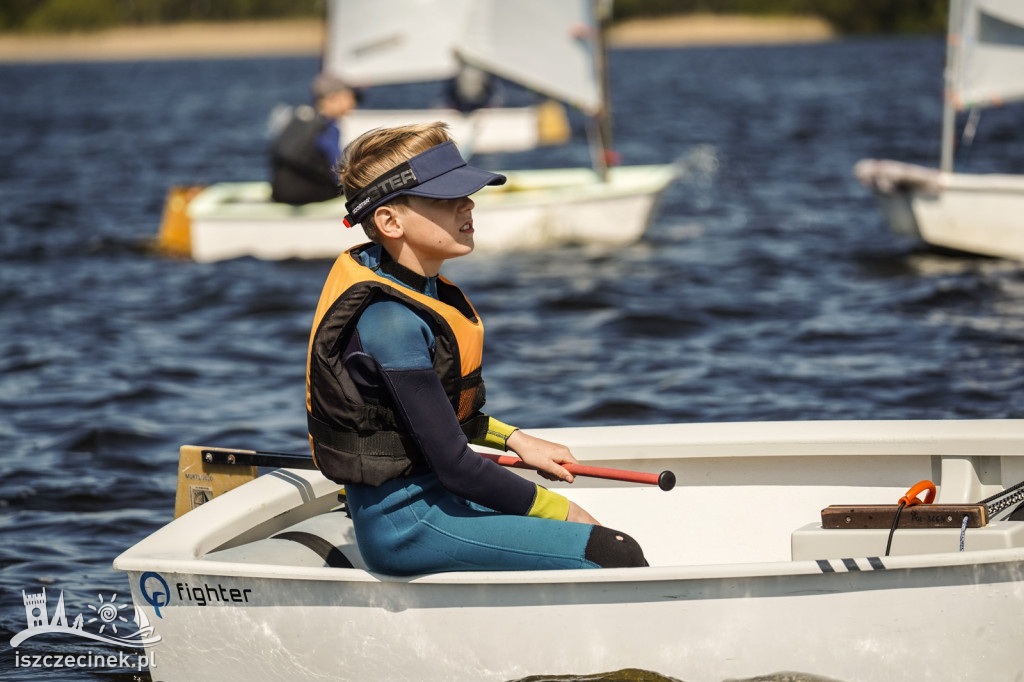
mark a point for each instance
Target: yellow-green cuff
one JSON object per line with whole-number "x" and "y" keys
{"x": 497, "y": 434}
{"x": 549, "y": 505}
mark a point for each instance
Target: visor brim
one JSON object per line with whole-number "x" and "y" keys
{"x": 457, "y": 183}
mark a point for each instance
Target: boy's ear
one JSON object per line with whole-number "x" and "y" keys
{"x": 388, "y": 223}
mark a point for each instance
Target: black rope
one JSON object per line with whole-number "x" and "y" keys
{"x": 1003, "y": 499}
{"x": 895, "y": 522}
{"x": 1003, "y": 493}
{"x": 1017, "y": 514}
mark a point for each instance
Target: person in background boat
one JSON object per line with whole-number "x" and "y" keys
{"x": 306, "y": 153}
{"x": 471, "y": 89}
{"x": 394, "y": 385}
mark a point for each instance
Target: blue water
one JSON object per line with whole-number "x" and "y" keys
{"x": 769, "y": 289}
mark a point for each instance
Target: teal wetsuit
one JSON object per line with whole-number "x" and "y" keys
{"x": 445, "y": 519}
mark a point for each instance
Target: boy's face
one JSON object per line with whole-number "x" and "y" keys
{"x": 438, "y": 229}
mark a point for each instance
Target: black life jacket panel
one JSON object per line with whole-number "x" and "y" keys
{"x": 301, "y": 174}
{"x": 354, "y": 438}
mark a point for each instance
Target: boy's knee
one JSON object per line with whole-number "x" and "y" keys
{"x": 611, "y": 549}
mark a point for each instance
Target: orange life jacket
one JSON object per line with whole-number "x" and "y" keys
{"x": 357, "y": 441}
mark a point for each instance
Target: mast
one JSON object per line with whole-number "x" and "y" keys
{"x": 601, "y": 126}
{"x": 954, "y": 41}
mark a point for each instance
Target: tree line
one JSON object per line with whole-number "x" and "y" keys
{"x": 846, "y": 16}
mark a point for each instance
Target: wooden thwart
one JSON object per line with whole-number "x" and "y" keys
{"x": 916, "y": 516}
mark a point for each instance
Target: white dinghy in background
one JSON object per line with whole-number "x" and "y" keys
{"x": 556, "y": 49}
{"x": 748, "y": 576}
{"x": 534, "y": 209}
{"x": 976, "y": 213}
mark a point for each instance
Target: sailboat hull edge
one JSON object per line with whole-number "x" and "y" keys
{"x": 975, "y": 213}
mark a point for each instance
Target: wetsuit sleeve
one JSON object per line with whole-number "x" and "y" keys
{"x": 497, "y": 434}
{"x": 430, "y": 420}
{"x": 400, "y": 342}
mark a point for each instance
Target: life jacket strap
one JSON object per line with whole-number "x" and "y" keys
{"x": 380, "y": 443}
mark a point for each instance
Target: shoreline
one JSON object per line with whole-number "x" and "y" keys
{"x": 715, "y": 29}
{"x": 304, "y": 37}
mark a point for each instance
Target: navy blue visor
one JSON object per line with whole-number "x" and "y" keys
{"x": 438, "y": 173}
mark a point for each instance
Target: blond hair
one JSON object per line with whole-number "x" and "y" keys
{"x": 375, "y": 152}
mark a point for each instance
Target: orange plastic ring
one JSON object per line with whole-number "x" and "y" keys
{"x": 910, "y": 499}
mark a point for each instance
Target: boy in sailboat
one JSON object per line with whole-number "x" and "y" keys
{"x": 394, "y": 385}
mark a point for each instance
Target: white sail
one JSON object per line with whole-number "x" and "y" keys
{"x": 989, "y": 63}
{"x": 376, "y": 42}
{"x": 547, "y": 46}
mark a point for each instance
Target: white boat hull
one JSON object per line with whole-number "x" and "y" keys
{"x": 940, "y": 623}
{"x": 743, "y": 580}
{"x": 535, "y": 209}
{"x": 966, "y": 212}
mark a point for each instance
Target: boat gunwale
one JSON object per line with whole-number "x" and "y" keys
{"x": 942, "y": 181}
{"x": 679, "y": 573}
